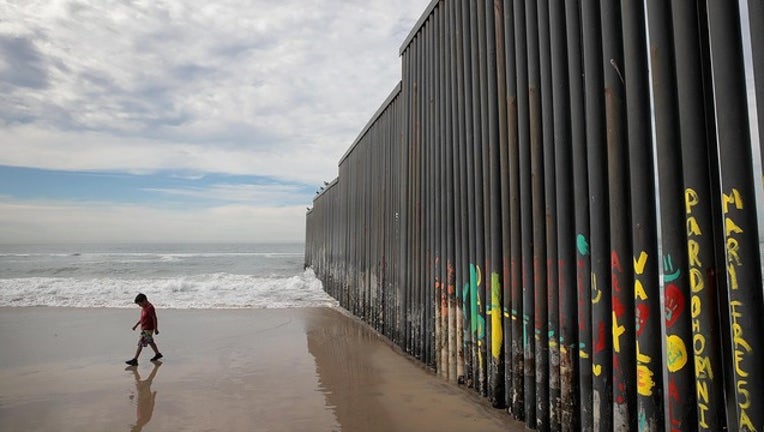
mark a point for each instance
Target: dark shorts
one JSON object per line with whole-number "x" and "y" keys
{"x": 147, "y": 337}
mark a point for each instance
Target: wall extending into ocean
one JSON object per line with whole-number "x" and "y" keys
{"x": 560, "y": 207}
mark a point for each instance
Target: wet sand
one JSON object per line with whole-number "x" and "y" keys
{"x": 224, "y": 370}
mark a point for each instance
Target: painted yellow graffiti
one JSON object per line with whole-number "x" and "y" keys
{"x": 645, "y": 382}
{"x": 703, "y": 369}
{"x": 733, "y": 198}
{"x": 639, "y": 268}
{"x": 596, "y": 369}
{"x": 497, "y": 333}
{"x": 596, "y": 292}
{"x": 733, "y": 257}
{"x": 618, "y": 330}
{"x": 741, "y": 347}
{"x": 676, "y": 356}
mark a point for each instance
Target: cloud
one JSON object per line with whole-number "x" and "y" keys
{"x": 256, "y": 195}
{"x": 21, "y": 63}
{"x": 63, "y": 222}
{"x": 99, "y": 151}
{"x": 229, "y": 86}
{"x": 260, "y": 89}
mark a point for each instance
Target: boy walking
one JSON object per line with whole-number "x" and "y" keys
{"x": 149, "y": 326}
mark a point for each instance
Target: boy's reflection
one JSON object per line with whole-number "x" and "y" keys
{"x": 146, "y": 398}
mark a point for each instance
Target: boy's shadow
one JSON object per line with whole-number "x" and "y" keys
{"x": 146, "y": 398}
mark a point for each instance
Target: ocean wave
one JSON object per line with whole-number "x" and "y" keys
{"x": 206, "y": 291}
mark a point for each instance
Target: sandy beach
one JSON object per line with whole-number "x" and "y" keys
{"x": 309, "y": 369}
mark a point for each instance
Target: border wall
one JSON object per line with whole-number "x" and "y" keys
{"x": 560, "y": 207}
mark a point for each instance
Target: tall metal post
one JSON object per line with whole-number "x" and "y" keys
{"x": 506, "y": 250}
{"x": 526, "y": 214}
{"x": 432, "y": 319}
{"x": 471, "y": 297}
{"x": 550, "y": 337}
{"x": 567, "y": 338}
{"x": 645, "y": 291}
{"x": 738, "y": 212}
{"x": 494, "y": 291}
{"x": 698, "y": 199}
{"x": 579, "y": 140}
{"x": 466, "y": 237}
{"x": 622, "y": 279}
{"x": 681, "y": 399}
{"x": 539, "y": 333}
{"x": 457, "y": 163}
{"x": 516, "y": 399}
{"x": 599, "y": 218}
{"x": 477, "y": 109}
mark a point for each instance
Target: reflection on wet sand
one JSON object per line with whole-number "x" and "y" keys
{"x": 146, "y": 398}
{"x": 370, "y": 387}
{"x": 345, "y": 372}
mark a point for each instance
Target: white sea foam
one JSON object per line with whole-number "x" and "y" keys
{"x": 205, "y": 291}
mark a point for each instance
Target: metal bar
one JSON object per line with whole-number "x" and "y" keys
{"x": 484, "y": 288}
{"x": 440, "y": 201}
{"x": 506, "y": 293}
{"x": 403, "y": 274}
{"x": 516, "y": 400}
{"x": 412, "y": 215}
{"x": 421, "y": 297}
{"x": 526, "y": 221}
{"x": 451, "y": 216}
{"x": 738, "y": 212}
{"x": 756, "y": 27}
{"x": 494, "y": 268}
{"x": 550, "y": 336}
{"x": 461, "y": 248}
{"x": 694, "y": 135}
{"x": 464, "y": 266}
{"x": 471, "y": 311}
{"x": 583, "y": 222}
{"x": 681, "y": 399}
{"x": 622, "y": 277}
{"x": 438, "y": 194}
{"x": 431, "y": 320}
{"x": 566, "y": 255}
{"x": 599, "y": 218}
{"x": 648, "y": 382}
{"x": 542, "y": 125}
{"x": 479, "y": 295}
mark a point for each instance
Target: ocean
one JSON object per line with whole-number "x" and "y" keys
{"x": 179, "y": 276}
{"x": 176, "y": 276}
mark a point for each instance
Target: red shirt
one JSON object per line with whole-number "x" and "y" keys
{"x": 148, "y": 317}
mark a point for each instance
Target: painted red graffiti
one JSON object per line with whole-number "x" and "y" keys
{"x": 599, "y": 345}
{"x": 618, "y": 307}
{"x": 620, "y": 386}
{"x": 674, "y": 397}
{"x": 674, "y": 304}
{"x": 581, "y": 297}
{"x": 642, "y": 311}
{"x": 615, "y": 267}
{"x": 550, "y": 286}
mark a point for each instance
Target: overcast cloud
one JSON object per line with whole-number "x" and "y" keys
{"x": 272, "y": 89}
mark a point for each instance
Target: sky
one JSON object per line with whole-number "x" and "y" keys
{"x": 184, "y": 120}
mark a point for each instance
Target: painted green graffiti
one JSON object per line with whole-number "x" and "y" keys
{"x": 582, "y": 244}
{"x": 477, "y": 320}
